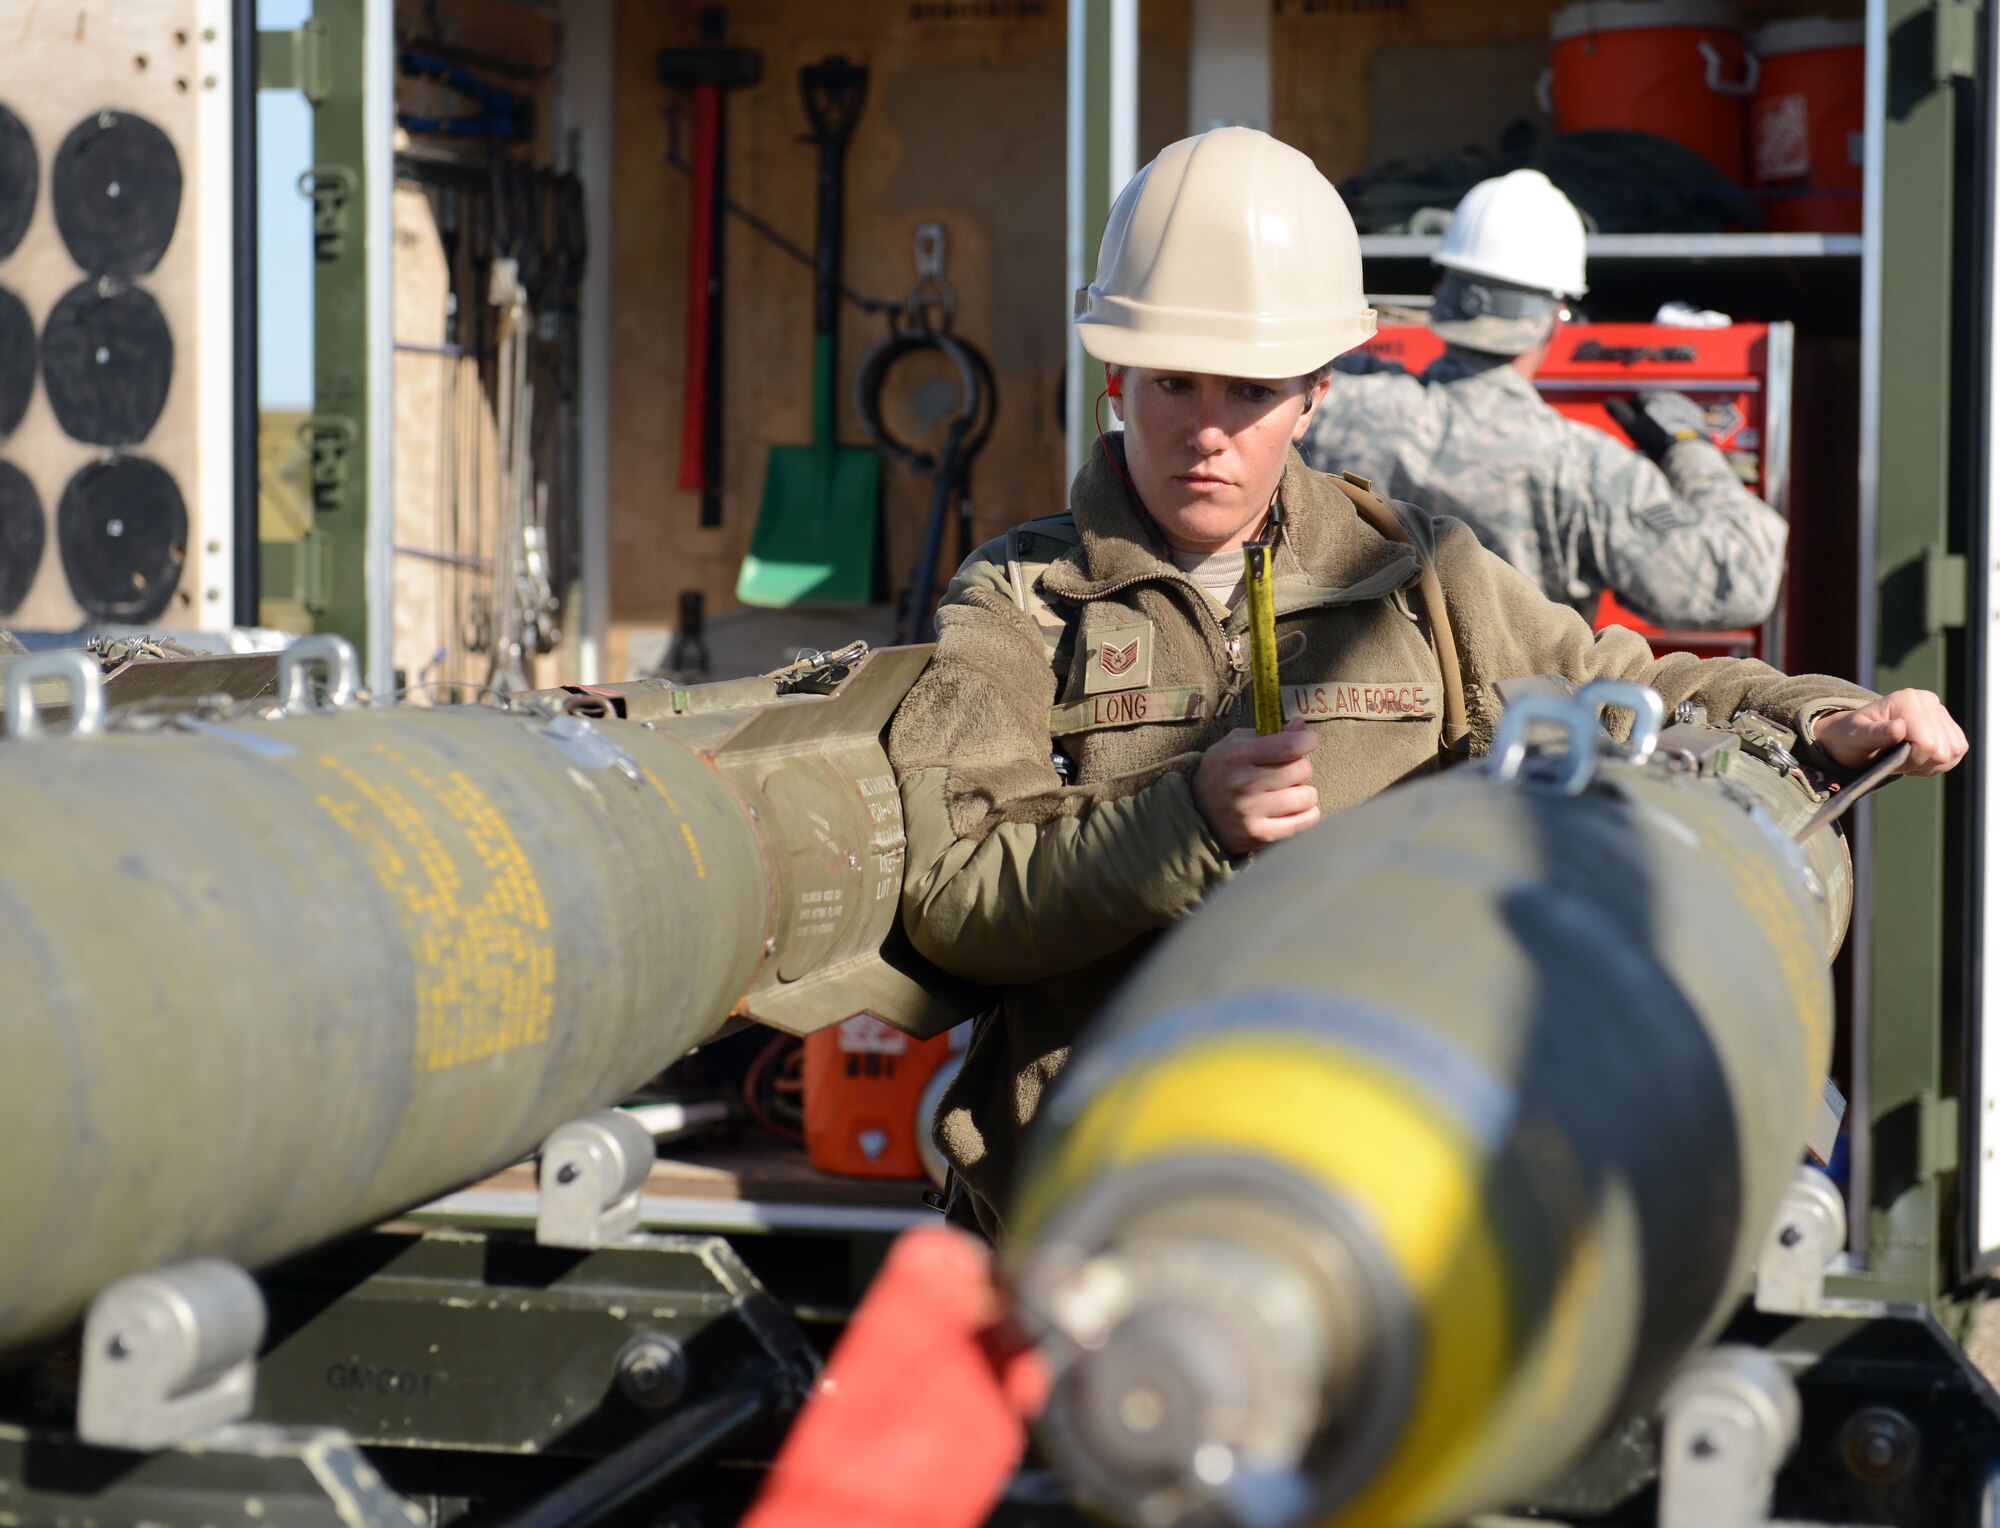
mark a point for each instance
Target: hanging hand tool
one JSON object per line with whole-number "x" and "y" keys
{"x": 932, "y": 303}
{"x": 448, "y": 227}
{"x": 557, "y": 358}
{"x": 923, "y": 579}
{"x": 708, "y": 71}
{"x": 925, "y": 325}
{"x": 501, "y": 113}
{"x": 524, "y": 600}
{"x": 1269, "y": 705}
{"x": 448, "y": 533}
{"x": 816, "y": 528}
{"x": 686, "y": 659}
{"x": 475, "y": 608}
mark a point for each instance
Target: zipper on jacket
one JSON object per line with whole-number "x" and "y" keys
{"x": 1239, "y": 676}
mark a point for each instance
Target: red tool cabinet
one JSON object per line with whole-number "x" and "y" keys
{"x": 1741, "y": 375}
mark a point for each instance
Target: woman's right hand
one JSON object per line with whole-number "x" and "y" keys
{"x": 1254, "y": 791}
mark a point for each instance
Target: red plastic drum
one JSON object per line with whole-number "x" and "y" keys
{"x": 1677, "y": 68}
{"x": 1806, "y": 124}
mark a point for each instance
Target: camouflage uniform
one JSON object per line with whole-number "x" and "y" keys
{"x": 1079, "y": 631}
{"x": 1574, "y": 509}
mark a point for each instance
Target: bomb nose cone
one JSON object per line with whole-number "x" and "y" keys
{"x": 1169, "y": 1378}
{"x": 1234, "y": 1342}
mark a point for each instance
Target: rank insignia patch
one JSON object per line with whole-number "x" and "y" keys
{"x": 1120, "y": 659}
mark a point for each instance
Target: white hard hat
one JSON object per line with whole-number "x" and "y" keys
{"x": 1520, "y": 229}
{"x": 1228, "y": 254}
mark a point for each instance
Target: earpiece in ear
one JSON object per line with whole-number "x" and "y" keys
{"x": 1114, "y": 384}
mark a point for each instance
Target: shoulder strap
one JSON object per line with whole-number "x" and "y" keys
{"x": 1030, "y": 549}
{"x": 1386, "y": 518}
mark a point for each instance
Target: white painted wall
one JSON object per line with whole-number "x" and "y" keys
{"x": 584, "y": 106}
{"x": 1103, "y": 85}
{"x": 1229, "y": 64}
{"x": 378, "y": 152}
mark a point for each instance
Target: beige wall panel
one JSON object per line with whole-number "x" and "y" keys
{"x": 447, "y": 463}
{"x": 422, "y": 588}
{"x": 64, "y": 62}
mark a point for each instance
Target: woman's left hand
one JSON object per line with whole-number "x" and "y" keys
{"x": 1916, "y": 717}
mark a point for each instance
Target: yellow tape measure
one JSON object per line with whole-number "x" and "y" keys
{"x": 1263, "y": 638}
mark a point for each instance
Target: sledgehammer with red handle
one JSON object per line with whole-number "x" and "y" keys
{"x": 707, "y": 70}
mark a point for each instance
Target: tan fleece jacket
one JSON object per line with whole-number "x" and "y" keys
{"x": 1049, "y": 892}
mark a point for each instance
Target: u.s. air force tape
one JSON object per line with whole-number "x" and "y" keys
{"x": 1395, "y": 700}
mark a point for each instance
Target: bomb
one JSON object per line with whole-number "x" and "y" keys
{"x": 1433, "y": 1144}
{"x": 272, "y": 973}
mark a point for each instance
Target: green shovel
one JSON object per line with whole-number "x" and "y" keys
{"x": 814, "y": 543}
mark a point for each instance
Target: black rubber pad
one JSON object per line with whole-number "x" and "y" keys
{"x": 17, "y": 361}
{"x": 23, "y": 535}
{"x": 122, "y": 528}
{"x": 116, "y": 186}
{"x": 107, "y": 361}
{"x": 20, "y": 179}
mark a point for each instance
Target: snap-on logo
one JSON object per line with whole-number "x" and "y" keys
{"x": 1118, "y": 661}
{"x": 1632, "y": 355}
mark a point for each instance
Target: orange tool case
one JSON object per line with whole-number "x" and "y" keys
{"x": 870, "y": 1092}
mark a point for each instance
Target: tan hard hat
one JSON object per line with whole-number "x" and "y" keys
{"x": 1228, "y": 254}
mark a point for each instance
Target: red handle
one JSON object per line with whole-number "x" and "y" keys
{"x": 920, "y": 1418}
{"x": 707, "y": 194}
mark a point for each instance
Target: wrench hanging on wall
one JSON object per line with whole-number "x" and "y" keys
{"x": 524, "y": 599}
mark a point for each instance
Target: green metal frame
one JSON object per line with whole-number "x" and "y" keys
{"x": 1920, "y": 597}
{"x": 328, "y": 568}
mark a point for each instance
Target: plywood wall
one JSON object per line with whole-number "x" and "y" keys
{"x": 444, "y": 465}
{"x": 964, "y": 124}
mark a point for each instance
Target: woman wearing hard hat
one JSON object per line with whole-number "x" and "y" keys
{"x": 1671, "y": 533}
{"x": 1076, "y": 764}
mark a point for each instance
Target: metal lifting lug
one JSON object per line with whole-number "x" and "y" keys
{"x": 79, "y": 671}
{"x": 1578, "y": 717}
{"x": 343, "y": 674}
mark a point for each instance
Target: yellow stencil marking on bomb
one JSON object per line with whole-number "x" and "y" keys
{"x": 665, "y": 795}
{"x": 1768, "y": 901}
{"x": 474, "y": 920}
{"x": 700, "y": 870}
{"x": 694, "y": 849}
